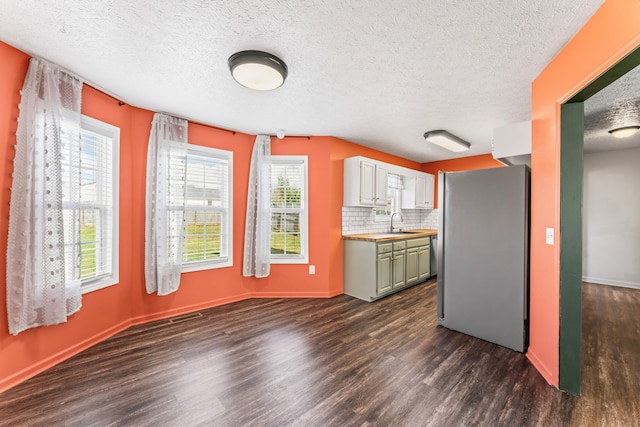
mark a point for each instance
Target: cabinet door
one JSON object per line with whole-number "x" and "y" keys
{"x": 380, "y": 190}
{"x": 424, "y": 262}
{"x": 399, "y": 265}
{"x": 367, "y": 183}
{"x": 383, "y": 279}
{"x": 420, "y": 190}
{"x": 424, "y": 187}
{"x": 412, "y": 265}
{"x": 429, "y": 184}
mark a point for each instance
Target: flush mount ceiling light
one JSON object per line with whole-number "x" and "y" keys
{"x": 624, "y": 132}
{"x": 258, "y": 70}
{"x": 446, "y": 140}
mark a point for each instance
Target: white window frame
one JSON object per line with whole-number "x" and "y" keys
{"x": 303, "y": 257}
{"x": 214, "y": 153}
{"x": 96, "y": 126}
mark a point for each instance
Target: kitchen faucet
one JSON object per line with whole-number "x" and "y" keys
{"x": 401, "y": 220}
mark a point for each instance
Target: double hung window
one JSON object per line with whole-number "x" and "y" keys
{"x": 289, "y": 214}
{"x": 207, "y": 213}
{"x": 90, "y": 204}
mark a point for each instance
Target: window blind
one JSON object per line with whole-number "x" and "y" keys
{"x": 207, "y": 206}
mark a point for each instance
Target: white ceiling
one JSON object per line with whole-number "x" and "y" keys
{"x": 376, "y": 72}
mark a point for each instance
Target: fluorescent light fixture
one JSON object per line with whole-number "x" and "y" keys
{"x": 258, "y": 70}
{"x": 624, "y": 132}
{"x": 446, "y": 140}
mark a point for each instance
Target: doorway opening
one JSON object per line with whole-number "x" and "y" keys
{"x": 571, "y": 222}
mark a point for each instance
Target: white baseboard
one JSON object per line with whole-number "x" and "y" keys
{"x": 600, "y": 281}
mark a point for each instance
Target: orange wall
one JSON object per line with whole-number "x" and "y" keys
{"x": 104, "y": 312}
{"x": 483, "y": 161}
{"x": 108, "y": 311}
{"x": 609, "y": 35}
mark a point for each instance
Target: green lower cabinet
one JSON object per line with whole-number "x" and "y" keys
{"x": 424, "y": 262}
{"x": 373, "y": 270}
{"x": 399, "y": 265}
{"x": 418, "y": 260}
{"x": 384, "y": 280}
{"x": 412, "y": 265}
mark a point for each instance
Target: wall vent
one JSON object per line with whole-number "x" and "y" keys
{"x": 185, "y": 317}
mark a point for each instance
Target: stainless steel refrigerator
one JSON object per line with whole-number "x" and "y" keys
{"x": 483, "y": 256}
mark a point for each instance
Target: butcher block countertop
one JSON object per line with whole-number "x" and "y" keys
{"x": 383, "y": 237}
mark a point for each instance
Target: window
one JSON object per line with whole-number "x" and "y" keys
{"x": 90, "y": 204}
{"x": 289, "y": 231}
{"x": 208, "y": 216}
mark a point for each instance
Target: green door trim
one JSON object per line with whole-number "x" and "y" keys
{"x": 571, "y": 173}
{"x": 622, "y": 67}
{"x": 571, "y": 177}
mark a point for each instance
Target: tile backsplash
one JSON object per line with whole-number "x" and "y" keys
{"x": 359, "y": 220}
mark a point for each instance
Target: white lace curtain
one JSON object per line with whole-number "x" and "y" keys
{"x": 257, "y": 233}
{"x": 166, "y": 193}
{"x": 43, "y": 283}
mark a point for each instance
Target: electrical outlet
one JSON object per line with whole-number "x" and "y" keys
{"x": 549, "y": 236}
{"x": 312, "y": 269}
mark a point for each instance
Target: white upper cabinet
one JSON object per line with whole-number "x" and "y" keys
{"x": 365, "y": 182}
{"x": 382, "y": 174}
{"x": 418, "y": 191}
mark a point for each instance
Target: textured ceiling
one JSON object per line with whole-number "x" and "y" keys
{"x": 376, "y": 72}
{"x": 615, "y": 106}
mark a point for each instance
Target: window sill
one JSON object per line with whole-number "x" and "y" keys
{"x": 96, "y": 285}
{"x": 200, "y": 266}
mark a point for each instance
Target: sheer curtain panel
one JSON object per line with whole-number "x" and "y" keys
{"x": 43, "y": 282}
{"x": 166, "y": 193}
{"x": 257, "y": 233}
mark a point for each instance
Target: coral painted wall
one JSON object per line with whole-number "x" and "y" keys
{"x": 483, "y": 161}
{"x": 609, "y": 35}
{"x": 108, "y": 311}
{"x": 104, "y": 312}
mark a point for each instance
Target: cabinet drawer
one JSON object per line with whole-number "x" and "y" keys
{"x": 385, "y": 247}
{"x": 397, "y": 246}
{"x": 414, "y": 243}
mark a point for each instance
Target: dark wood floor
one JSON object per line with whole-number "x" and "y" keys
{"x": 333, "y": 362}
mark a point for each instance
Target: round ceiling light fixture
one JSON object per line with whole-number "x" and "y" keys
{"x": 258, "y": 70}
{"x": 624, "y": 132}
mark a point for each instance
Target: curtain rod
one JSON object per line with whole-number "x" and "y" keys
{"x": 83, "y": 80}
{"x": 227, "y": 130}
{"x": 198, "y": 122}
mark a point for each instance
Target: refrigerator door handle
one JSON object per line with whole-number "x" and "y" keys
{"x": 441, "y": 238}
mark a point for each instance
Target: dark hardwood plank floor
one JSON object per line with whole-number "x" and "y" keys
{"x": 333, "y": 362}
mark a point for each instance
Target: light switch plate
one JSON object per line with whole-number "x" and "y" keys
{"x": 312, "y": 269}
{"x": 549, "y": 236}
